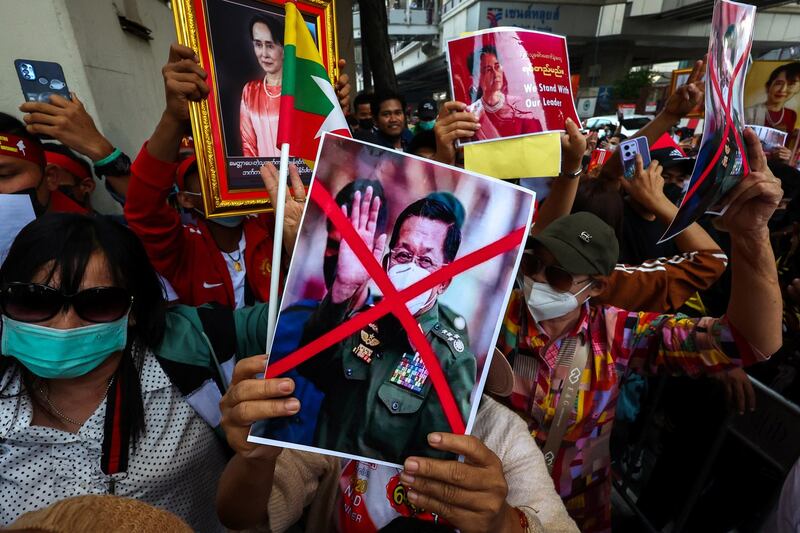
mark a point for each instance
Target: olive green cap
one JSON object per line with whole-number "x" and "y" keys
{"x": 581, "y": 243}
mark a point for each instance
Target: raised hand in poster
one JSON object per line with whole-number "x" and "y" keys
{"x": 721, "y": 160}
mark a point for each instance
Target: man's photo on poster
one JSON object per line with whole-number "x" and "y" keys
{"x": 247, "y": 40}
{"x": 374, "y": 393}
{"x": 516, "y": 82}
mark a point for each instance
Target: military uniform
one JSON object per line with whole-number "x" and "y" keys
{"x": 379, "y": 400}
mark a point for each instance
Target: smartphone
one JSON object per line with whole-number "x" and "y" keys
{"x": 628, "y": 149}
{"x": 40, "y": 79}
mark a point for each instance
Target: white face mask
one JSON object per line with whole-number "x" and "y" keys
{"x": 546, "y": 303}
{"x": 404, "y": 276}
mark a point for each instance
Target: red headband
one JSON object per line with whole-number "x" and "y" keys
{"x": 21, "y": 148}
{"x": 68, "y": 164}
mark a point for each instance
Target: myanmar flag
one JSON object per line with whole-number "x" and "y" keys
{"x": 309, "y": 105}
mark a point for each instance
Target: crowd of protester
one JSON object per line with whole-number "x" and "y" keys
{"x": 131, "y": 345}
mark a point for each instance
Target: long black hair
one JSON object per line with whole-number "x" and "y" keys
{"x": 60, "y": 246}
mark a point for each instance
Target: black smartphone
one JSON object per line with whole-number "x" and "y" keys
{"x": 40, "y": 79}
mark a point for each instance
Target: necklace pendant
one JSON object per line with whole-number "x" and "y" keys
{"x": 237, "y": 266}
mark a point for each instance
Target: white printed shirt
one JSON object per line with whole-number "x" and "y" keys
{"x": 175, "y": 465}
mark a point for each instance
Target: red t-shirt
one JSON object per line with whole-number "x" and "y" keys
{"x": 783, "y": 120}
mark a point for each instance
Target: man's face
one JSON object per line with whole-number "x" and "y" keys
{"x": 674, "y": 175}
{"x": 613, "y": 142}
{"x": 364, "y": 112}
{"x": 491, "y": 79}
{"x": 781, "y": 90}
{"x": 18, "y": 174}
{"x": 391, "y": 118}
{"x": 420, "y": 240}
{"x": 268, "y": 52}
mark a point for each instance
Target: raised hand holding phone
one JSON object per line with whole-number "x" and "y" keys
{"x": 628, "y": 150}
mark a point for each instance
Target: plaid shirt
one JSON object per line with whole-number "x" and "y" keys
{"x": 620, "y": 341}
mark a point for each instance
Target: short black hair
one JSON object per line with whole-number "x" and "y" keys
{"x": 14, "y": 126}
{"x": 274, "y": 25}
{"x": 345, "y": 197}
{"x": 65, "y": 151}
{"x": 385, "y": 97}
{"x": 475, "y": 57}
{"x": 423, "y": 139}
{"x": 361, "y": 99}
{"x": 62, "y": 244}
{"x": 435, "y": 210}
{"x": 792, "y": 71}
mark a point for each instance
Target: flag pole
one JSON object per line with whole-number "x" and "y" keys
{"x": 279, "y": 204}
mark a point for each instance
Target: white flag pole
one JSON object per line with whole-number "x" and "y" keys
{"x": 279, "y": 204}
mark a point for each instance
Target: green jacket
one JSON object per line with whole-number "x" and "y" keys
{"x": 379, "y": 401}
{"x": 201, "y": 346}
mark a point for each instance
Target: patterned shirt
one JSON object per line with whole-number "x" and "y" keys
{"x": 620, "y": 341}
{"x": 175, "y": 466}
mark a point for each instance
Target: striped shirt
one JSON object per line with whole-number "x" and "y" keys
{"x": 620, "y": 341}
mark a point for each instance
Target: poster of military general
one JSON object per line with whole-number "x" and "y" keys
{"x": 393, "y": 301}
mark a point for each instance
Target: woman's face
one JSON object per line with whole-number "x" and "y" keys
{"x": 781, "y": 90}
{"x": 491, "y": 74}
{"x": 97, "y": 274}
{"x": 268, "y": 52}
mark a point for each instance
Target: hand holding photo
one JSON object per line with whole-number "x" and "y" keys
{"x": 393, "y": 301}
{"x": 722, "y": 158}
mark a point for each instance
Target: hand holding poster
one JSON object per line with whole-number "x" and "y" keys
{"x": 516, "y": 82}
{"x": 393, "y": 301}
{"x": 721, "y": 160}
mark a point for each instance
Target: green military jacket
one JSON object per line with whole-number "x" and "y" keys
{"x": 379, "y": 400}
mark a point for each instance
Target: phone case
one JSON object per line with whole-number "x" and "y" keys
{"x": 629, "y": 149}
{"x": 40, "y": 79}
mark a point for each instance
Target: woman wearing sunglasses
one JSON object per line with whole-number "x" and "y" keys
{"x": 568, "y": 352}
{"x": 102, "y": 391}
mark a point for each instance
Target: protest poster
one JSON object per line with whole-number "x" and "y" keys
{"x": 771, "y": 139}
{"x": 772, "y": 95}
{"x": 722, "y": 158}
{"x": 393, "y": 301}
{"x": 240, "y": 45}
{"x": 517, "y": 82}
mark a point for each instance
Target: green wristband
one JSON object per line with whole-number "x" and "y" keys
{"x": 109, "y": 158}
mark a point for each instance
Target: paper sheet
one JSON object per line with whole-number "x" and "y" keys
{"x": 16, "y": 212}
{"x": 532, "y": 156}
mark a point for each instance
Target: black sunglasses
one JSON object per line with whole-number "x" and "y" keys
{"x": 556, "y": 276}
{"x": 34, "y": 302}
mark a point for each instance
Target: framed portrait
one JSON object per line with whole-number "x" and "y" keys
{"x": 240, "y": 45}
{"x": 393, "y": 302}
{"x": 679, "y": 77}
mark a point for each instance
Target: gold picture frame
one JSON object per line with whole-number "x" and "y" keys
{"x": 229, "y": 177}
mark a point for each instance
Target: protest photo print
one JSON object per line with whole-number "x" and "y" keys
{"x": 722, "y": 158}
{"x": 240, "y": 43}
{"x": 393, "y": 301}
{"x": 517, "y": 82}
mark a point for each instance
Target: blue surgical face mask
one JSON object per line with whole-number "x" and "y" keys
{"x": 228, "y": 222}
{"x": 427, "y": 124}
{"x": 53, "y": 353}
